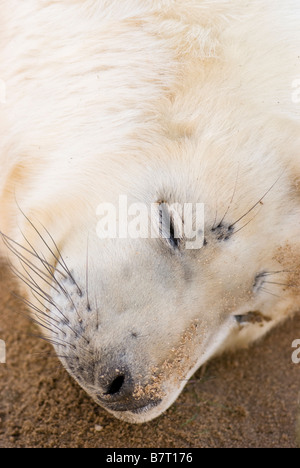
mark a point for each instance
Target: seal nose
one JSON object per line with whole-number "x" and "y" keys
{"x": 117, "y": 391}
{"x": 116, "y": 387}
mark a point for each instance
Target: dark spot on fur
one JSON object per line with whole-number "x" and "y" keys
{"x": 223, "y": 232}
{"x": 252, "y": 317}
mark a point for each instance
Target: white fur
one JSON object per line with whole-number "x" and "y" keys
{"x": 191, "y": 100}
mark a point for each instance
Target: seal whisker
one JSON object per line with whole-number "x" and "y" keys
{"x": 42, "y": 293}
{"x": 87, "y": 276}
{"x": 33, "y": 280}
{"x": 33, "y": 307}
{"x": 44, "y": 314}
{"x": 97, "y": 313}
{"x": 215, "y": 220}
{"x": 6, "y": 241}
{"x": 48, "y": 299}
{"x": 49, "y": 269}
{"x": 62, "y": 260}
{"x": 60, "y": 342}
{"x": 245, "y": 225}
{"x": 39, "y": 320}
{"x": 271, "y": 273}
{"x": 269, "y": 292}
{"x": 278, "y": 284}
{"x": 232, "y": 198}
{"x": 50, "y": 354}
{"x": 59, "y": 259}
{"x": 65, "y": 319}
{"x": 40, "y": 302}
{"x": 287, "y": 285}
{"x": 52, "y": 341}
{"x": 258, "y": 203}
{"x": 28, "y": 282}
{"x": 40, "y": 323}
{"x": 63, "y": 290}
{"x": 67, "y": 295}
{"x": 20, "y": 275}
{"x": 24, "y": 260}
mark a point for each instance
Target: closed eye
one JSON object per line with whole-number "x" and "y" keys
{"x": 173, "y": 240}
{"x": 170, "y": 226}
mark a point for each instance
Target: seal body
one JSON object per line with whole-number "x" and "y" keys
{"x": 164, "y": 102}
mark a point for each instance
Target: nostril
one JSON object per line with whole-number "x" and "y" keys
{"x": 116, "y": 385}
